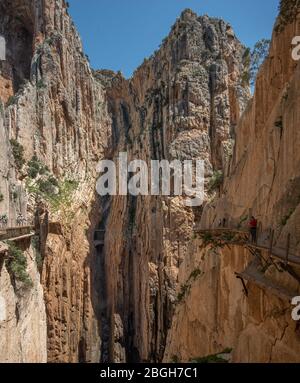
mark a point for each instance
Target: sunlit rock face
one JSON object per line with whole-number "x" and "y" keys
{"x": 182, "y": 103}
{"x": 152, "y": 290}
{"x": 263, "y": 178}
{"x": 56, "y": 111}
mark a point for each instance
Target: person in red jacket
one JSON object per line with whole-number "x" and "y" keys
{"x": 253, "y": 229}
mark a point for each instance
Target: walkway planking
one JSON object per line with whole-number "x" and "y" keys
{"x": 264, "y": 283}
{"x": 277, "y": 253}
{"x": 16, "y": 233}
{"x": 99, "y": 238}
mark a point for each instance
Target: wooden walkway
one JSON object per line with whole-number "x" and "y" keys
{"x": 16, "y": 234}
{"x": 265, "y": 284}
{"x": 241, "y": 238}
{"x": 99, "y": 237}
{"x": 252, "y": 274}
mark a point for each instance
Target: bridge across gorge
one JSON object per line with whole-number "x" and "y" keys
{"x": 241, "y": 237}
{"x": 17, "y": 233}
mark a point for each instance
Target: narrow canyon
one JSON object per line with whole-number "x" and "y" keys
{"x": 90, "y": 278}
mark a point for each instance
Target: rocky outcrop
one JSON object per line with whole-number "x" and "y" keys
{"x": 182, "y": 103}
{"x": 23, "y": 326}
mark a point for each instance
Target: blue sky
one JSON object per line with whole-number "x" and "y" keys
{"x": 119, "y": 34}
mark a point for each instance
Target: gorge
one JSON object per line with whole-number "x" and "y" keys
{"x": 146, "y": 278}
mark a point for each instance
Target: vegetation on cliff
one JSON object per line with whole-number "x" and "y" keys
{"x": 288, "y": 10}
{"x": 18, "y": 153}
{"x": 16, "y": 265}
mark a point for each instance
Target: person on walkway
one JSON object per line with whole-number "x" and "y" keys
{"x": 253, "y": 229}
{"x": 19, "y": 220}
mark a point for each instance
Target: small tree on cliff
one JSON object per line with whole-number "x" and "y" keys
{"x": 288, "y": 10}
{"x": 258, "y": 55}
{"x": 254, "y": 59}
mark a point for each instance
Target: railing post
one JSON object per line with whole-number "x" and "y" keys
{"x": 288, "y": 243}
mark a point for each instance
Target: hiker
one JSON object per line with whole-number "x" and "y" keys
{"x": 3, "y": 220}
{"x": 224, "y": 222}
{"x": 253, "y": 229}
{"x": 20, "y": 220}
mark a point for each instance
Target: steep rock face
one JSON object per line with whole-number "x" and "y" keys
{"x": 52, "y": 106}
{"x": 215, "y": 315}
{"x": 23, "y": 326}
{"x": 264, "y": 172}
{"x": 263, "y": 178}
{"x": 182, "y": 103}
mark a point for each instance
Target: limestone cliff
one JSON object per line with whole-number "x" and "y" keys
{"x": 119, "y": 278}
{"x": 53, "y": 128}
{"x": 263, "y": 178}
{"x": 182, "y": 103}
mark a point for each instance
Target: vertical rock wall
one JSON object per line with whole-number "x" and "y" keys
{"x": 182, "y": 103}
{"x": 263, "y": 178}
{"x": 52, "y": 106}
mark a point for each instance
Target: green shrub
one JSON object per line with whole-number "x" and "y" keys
{"x": 63, "y": 199}
{"x": 175, "y": 359}
{"x": 288, "y": 10}
{"x": 227, "y": 351}
{"x": 33, "y": 168}
{"x": 15, "y": 195}
{"x": 258, "y": 56}
{"x": 17, "y": 265}
{"x": 216, "y": 358}
{"x": 1, "y": 197}
{"x": 57, "y": 193}
{"x": 48, "y": 185}
{"x": 40, "y": 84}
{"x": 242, "y": 220}
{"x": 228, "y": 237}
{"x": 184, "y": 289}
{"x": 18, "y": 153}
{"x": 36, "y": 167}
{"x": 195, "y": 274}
{"x": 245, "y": 78}
{"x": 216, "y": 180}
{"x": 209, "y": 239}
{"x": 11, "y": 100}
